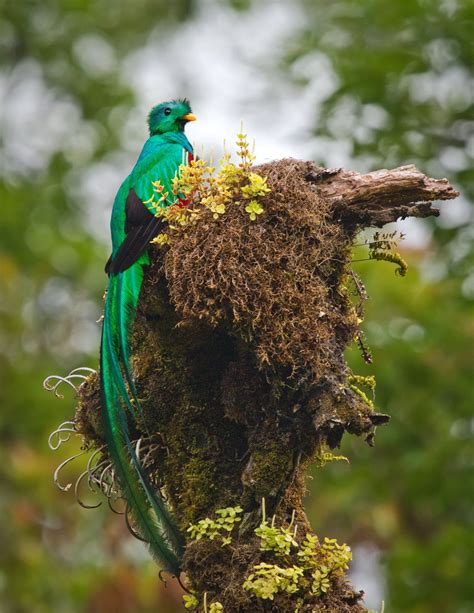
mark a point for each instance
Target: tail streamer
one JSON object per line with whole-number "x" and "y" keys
{"x": 148, "y": 509}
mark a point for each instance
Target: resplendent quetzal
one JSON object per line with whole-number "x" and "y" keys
{"x": 133, "y": 226}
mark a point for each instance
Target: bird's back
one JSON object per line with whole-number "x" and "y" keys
{"x": 159, "y": 159}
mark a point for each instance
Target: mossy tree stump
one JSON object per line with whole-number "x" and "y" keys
{"x": 238, "y": 356}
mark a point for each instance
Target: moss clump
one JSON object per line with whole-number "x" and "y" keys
{"x": 267, "y": 471}
{"x": 275, "y": 281}
{"x": 197, "y": 482}
{"x": 87, "y": 420}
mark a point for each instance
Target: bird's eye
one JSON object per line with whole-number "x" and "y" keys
{"x": 167, "y": 111}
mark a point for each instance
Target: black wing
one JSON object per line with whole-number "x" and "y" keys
{"x": 141, "y": 227}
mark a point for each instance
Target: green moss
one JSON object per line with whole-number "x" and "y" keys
{"x": 268, "y": 469}
{"x": 179, "y": 371}
{"x": 195, "y": 484}
{"x": 88, "y": 418}
{"x": 355, "y": 381}
{"x": 324, "y": 456}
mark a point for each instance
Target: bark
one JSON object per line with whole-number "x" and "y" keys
{"x": 238, "y": 354}
{"x": 383, "y": 196}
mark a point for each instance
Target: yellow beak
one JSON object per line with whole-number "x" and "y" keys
{"x": 189, "y": 117}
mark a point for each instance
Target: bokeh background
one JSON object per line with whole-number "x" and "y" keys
{"x": 357, "y": 83}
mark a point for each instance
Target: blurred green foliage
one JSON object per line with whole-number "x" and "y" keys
{"x": 401, "y": 92}
{"x": 411, "y": 495}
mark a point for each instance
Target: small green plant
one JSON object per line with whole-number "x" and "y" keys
{"x": 216, "y": 528}
{"x": 317, "y": 564}
{"x": 369, "y": 381}
{"x": 197, "y": 187}
{"x": 308, "y": 550}
{"x": 324, "y": 456}
{"x": 214, "y": 607}
{"x": 323, "y": 561}
{"x": 280, "y": 540}
{"x": 338, "y": 556}
{"x": 257, "y": 186}
{"x": 321, "y": 582}
{"x": 254, "y": 208}
{"x": 269, "y": 579}
{"x": 393, "y": 257}
{"x": 190, "y": 601}
{"x": 382, "y": 246}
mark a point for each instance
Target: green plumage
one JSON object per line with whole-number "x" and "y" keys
{"x": 132, "y": 227}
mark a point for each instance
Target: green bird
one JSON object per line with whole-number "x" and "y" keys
{"x": 133, "y": 225}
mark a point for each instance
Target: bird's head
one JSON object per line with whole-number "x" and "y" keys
{"x": 170, "y": 116}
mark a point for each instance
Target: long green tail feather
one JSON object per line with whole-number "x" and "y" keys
{"x": 129, "y": 285}
{"x": 154, "y": 522}
{"x": 115, "y": 331}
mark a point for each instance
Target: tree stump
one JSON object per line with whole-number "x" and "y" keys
{"x": 238, "y": 356}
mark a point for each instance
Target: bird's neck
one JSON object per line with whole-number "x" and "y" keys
{"x": 174, "y": 137}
